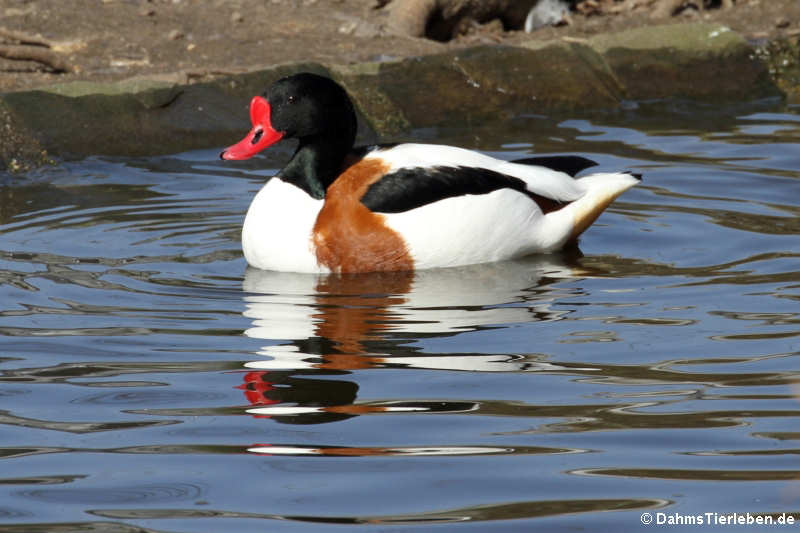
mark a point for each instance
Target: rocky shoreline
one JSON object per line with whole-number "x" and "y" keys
{"x": 151, "y": 114}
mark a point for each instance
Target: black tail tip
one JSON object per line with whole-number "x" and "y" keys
{"x": 636, "y": 175}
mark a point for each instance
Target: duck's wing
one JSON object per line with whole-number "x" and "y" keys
{"x": 409, "y": 188}
{"x": 419, "y": 174}
{"x": 569, "y": 164}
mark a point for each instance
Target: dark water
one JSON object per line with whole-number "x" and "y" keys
{"x": 150, "y": 382}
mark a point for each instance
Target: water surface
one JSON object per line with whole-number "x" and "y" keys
{"x": 150, "y": 381}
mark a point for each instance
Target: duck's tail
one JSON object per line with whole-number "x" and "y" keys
{"x": 601, "y": 190}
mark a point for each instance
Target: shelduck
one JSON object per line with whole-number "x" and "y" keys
{"x": 336, "y": 208}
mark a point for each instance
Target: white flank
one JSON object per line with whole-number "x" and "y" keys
{"x": 470, "y": 229}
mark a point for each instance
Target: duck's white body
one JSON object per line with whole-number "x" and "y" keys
{"x": 281, "y": 227}
{"x": 276, "y": 234}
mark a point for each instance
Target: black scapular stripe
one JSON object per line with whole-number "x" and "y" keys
{"x": 409, "y": 188}
{"x": 569, "y": 164}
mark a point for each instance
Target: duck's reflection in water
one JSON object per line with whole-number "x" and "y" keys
{"x": 324, "y": 327}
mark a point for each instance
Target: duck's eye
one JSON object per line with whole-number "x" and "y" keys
{"x": 257, "y": 136}
{"x": 290, "y": 99}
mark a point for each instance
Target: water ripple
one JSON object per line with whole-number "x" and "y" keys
{"x": 149, "y": 377}
{"x": 111, "y": 495}
{"x": 504, "y": 511}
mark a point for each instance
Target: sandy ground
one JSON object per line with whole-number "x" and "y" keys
{"x": 115, "y": 39}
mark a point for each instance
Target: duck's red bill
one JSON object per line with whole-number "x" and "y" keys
{"x": 261, "y": 136}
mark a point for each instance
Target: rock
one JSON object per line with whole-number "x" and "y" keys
{"x": 700, "y": 61}
{"x": 20, "y": 149}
